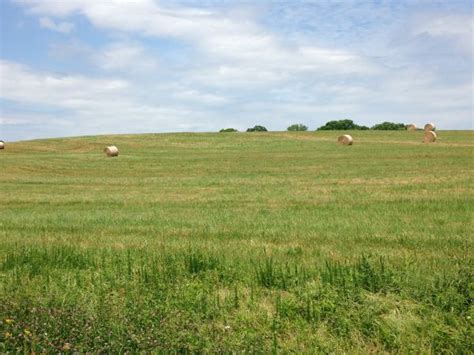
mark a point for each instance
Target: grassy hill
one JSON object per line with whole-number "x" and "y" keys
{"x": 238, "y": 241}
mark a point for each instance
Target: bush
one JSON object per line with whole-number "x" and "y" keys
{"x": 341, "y": 125}
{"x": 257, "y": 129}
{"x": 297, "y": 127}
{"x": 228, "y": 130}
{"x": 389, "y": 126}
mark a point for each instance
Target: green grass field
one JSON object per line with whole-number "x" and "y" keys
{"x": 252, "y": 242}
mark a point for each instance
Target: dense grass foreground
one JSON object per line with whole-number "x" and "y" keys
{"x": 238, "y": 242}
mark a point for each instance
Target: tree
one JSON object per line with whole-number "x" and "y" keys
{"x": 389, "y": 126}
{"x": 297, "y": 127}
{"x": 257, "y": 129}
{"x": 341, "y": 125}
{"x": 224, "y": 130}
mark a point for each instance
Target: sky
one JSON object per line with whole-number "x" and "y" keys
{"x": 87, "y": 67}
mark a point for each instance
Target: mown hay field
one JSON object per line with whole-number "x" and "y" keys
{"x": 238, "y": 242}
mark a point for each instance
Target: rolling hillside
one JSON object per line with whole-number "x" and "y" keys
{"x": 261, "y": 242}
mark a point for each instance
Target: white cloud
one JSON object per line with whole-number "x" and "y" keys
{"x": 20, "y": 83}
{"x": 454, "y": 27}
{"x": 22, "y": 120}
{"x": 53, "y": 7}
{"x": 93, "y": 105}
{"x": 190, "y": 95}
{"x": 215, "y": 34}
{"x": 233, "y": 53}
{"x": 435, "y": 25}
{"x": 63, "y": 27}
{"x": 128, "y": 57}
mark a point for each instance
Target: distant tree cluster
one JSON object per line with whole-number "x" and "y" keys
{"x": 341, "y": 125}
{"x": 257, "y": 129}
{"x": 389, "y": 126}
{"x": 336, "y": 125}
{"x": 298, "y": 127}
{"x": 350, "y": 125}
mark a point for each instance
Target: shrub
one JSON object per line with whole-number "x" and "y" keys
{"x": 341, "y": 125}
{"x": 228, "y": 130}
{"x": 389, "y": 126}
{"x": 297, "y": 127}
{"x": 257, "y": 129}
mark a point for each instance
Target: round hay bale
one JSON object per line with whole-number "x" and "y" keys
{"x": 430, "y": 137}
{"x": 411, "y": 127}
{"x": 111, "y": 151}
{"x": 2, "y": 145}
{"x": 345, "y": 139}
{"x": 430, "y": 127}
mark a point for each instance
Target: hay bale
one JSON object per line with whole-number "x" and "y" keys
{"x": 411, "y": 127}
{"x": 430, "y": 127}
{"x": 430, "y": 137}
{"x": 111, "y": 151}
{"x": 345, "y": 139}
{"x": 2, "y": 145}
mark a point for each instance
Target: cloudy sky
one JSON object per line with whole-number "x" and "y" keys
{"x": 80, "y": 67}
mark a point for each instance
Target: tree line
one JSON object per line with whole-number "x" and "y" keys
{"x": 337, "y": 125}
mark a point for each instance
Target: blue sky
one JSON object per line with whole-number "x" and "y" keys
{"x": 82, "y": 67}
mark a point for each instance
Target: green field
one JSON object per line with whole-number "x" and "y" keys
{"x": 252, "y": 242}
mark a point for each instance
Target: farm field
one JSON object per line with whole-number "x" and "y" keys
{"x": 259, "y": 242}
